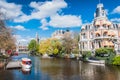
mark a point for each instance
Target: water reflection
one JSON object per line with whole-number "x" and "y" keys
{"x": 26, "y": 72}
{"x": 61, "y": 69}
{"x": 96, "y": 72}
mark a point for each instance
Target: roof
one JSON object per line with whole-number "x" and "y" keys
{"x": 26, "y": 59}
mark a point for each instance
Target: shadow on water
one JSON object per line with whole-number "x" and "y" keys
{"x": 61, "y": 69}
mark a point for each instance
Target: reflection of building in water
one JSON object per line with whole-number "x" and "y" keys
{"x": 101, "y": 32}
{"x": 92, "y": 72}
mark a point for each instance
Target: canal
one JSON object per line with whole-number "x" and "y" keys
{"x": 61, "y": 69}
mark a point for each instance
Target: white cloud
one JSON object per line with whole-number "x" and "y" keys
{"x": 47, "y": 8}
{"x": 44, "y": 24}
{"x": 43, "y": 10}
{"x": 116, "y": 20}
{"x": 10, "y": 10}
{"x": 65, "y": 21}
{"x": 23, "y": 40}
{"x": 116, "y": 10}
{"x": 19, "y": 27}
{"x": 23, "y": 18}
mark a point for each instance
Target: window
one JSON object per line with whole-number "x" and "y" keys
{"x": 97, "y": 35}
{"x": 116, "y": 26}
{"x": 105, "y": 34}
{"x": 91, "y": 36}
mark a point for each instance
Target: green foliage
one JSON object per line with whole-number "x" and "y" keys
{"x": 55, "y": 51}
{"x": 106, "y": 54}
{"x": 103, "y": 51}
{"x": 86, "y": 54}
{"x": 50, "y": 46}
{"x": 110, "y": 58}
{"x": 33, "y": 46}
{"x": 75, "y": 51}
{"x": 116, "y": 60}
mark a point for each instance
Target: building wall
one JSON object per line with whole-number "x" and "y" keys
{"x": 101, "y": 32}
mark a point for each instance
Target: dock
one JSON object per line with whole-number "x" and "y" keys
{"x": 13, "y": 64}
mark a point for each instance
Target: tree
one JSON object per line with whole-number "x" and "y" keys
{"x": 7, "y": 41}
{"x": 76, "y": 38}
{"x": 33, "y": 46}
{"x": 44, "y": 46}
{"x": 67, "y": 43}
{"x": 50, "y": 46}
{"x": 116, "y": 60}
{"x": 70, "y": 42}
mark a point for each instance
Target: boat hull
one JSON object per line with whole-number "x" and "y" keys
{"x": 97, "y": 61}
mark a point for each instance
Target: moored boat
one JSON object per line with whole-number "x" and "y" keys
{"x": 26, "y": 63}
{"x": 97, "y": 61}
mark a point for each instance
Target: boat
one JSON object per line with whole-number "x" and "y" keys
{"x": 96, "y": 61}
{"x": 26, "y": 64}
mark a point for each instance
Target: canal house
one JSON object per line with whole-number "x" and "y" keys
{"x": 101, "y": 32}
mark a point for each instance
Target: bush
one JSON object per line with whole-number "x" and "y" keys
{"x": 86, "y": 54}
{"x": 116, "y": 60}
{"x": 110, "y": 58}
{"x": 103, "y": 51}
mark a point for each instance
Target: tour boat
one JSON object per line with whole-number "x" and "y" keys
{"x": 26, "y": 63}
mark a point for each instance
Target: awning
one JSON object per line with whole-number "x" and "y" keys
{"x": 111, "y": 44}
{"x": 105, "y": 43}
{"x": 105, "y": 31}
{"x": 111, "y": 33}
{"x": 97, "y": 32}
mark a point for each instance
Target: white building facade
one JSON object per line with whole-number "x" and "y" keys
{"x": 101, "y": 32}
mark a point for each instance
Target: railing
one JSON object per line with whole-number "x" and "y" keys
{"x": 101, "y": 37}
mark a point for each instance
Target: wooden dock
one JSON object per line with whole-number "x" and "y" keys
{"x": 13, "y": 64}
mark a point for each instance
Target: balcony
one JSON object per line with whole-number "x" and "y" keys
{"x": 105, "y": 37}
{"x": 85, "y": 39}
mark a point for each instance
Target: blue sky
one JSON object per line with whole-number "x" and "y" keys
{"x": 27, "y": 17}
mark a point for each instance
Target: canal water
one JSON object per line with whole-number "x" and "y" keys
{"x": 61, "y": 69}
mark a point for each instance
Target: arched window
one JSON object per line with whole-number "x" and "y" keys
{"x": 84, "y": 35}
{"x": 97, "y": 35}
{"x": 91, "y": 35}
{"x": 92, "y": 45}
{"x": 83, "y": 45}
{"x": 105, "y": 34}
{"x": 99, "y": 43}
{"x": 116, "y": 26}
